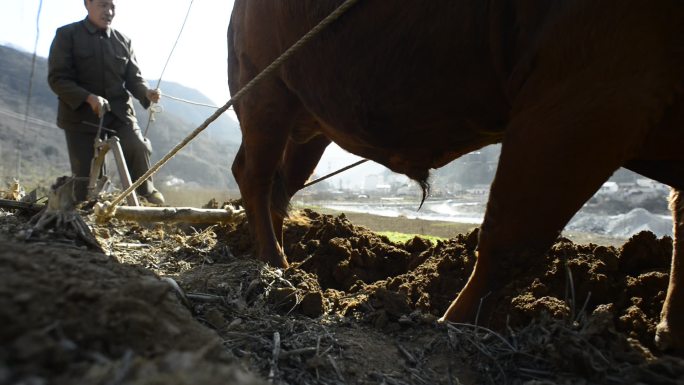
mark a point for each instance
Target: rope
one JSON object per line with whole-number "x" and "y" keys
{"x": 30, "y": 87}
{"x": 185, "y": 20}
{"x": 190, "y": 101}
{"x": 266, "y": 72}
{"x": 335, "y": 173}
{"x": 34, "y": 121}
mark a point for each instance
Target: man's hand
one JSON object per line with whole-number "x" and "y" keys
{"x": 99, "y": 104}
{"x": 154, "y": 95}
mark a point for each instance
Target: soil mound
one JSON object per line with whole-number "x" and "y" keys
{"x": 572, "y": 280}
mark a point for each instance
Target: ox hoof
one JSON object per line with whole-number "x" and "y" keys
{"x": 474, "y": 309}
{"x": 668, "y": 340}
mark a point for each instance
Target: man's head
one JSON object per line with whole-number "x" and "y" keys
{"x": 100, "y": 12}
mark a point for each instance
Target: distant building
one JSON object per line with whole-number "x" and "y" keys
{"x": 370, "y": 182}
{"x": 406, "y": 189}
{"x": 479, "y": 189}
{"x": 383, "y": 188}
{"x": 456, "y": 188}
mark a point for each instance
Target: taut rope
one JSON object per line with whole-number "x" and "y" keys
{"x": 335, "y": 173}
{"x": 30, "y": 87}
{"x": 152, "y": 112}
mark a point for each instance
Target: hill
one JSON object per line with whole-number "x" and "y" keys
{"x": 35, "y": 151}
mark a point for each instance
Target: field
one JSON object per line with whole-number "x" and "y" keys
{"x": 164, "y": 304}
{"x": 447, "y": 230}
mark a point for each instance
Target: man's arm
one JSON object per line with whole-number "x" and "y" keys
{"x": 62, "y": 73}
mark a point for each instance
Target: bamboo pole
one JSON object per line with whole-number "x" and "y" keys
{"x": 170, "y": 214}
{"x": 10, "y": 204}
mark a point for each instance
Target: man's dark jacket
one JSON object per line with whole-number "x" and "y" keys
{"x": 85, "y": 60}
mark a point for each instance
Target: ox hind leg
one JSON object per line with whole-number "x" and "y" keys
{"x": 266, "y": 121}
{"x": 298, "y": 164}
{"x": 554, "y": 157}
{"x": 670, "y": 330}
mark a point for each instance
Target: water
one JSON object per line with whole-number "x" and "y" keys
{"x": 434, "y": 210}
{"x": 621, "y": 225}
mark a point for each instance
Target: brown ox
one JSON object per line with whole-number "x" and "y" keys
{"x": 573, "y": 89}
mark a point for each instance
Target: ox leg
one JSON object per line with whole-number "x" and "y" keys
{"x": 670, "y": 330}
{"x": 268, "y": 249}
{"x": 299, "y": 163}
{"x": 265, "y": 131}
{"x": 546, "y": 171}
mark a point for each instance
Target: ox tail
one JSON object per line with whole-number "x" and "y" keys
{"x": 425, "y": 186}
{"x": 280, "y": 199}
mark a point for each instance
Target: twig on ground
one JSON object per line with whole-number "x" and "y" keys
{"x": 383, "y": 378}
{"x": 297, "y": 352}
{"x": 570, "y": 289}
{"x": 415, "y": 373}
{"x": 129, "y": 245}
{"x": 202, "y": 297}
{"x": 452, "y": 326}
{"x": 126, "y": 363}
{"x": 584, "y": 307}
{"x": 31, "y": 208}
{"x": 180, "y": 293}
{"x": 412, "y": 360}
{"x": 273, "y": 373}
{"x": 336, "y": 368}
{"x": 479, "y": 307}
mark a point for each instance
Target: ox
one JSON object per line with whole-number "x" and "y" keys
{"x": 573, "y": 89}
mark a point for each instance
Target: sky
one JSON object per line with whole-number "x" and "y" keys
{"x": 198, "y": 61}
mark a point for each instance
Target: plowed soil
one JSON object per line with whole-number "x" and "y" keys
{"x": 168, "y": 304}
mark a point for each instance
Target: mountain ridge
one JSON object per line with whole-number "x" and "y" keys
{"x": 33, "y": 150}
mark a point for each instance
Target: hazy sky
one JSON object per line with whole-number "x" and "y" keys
{"x": 198, "y": 61}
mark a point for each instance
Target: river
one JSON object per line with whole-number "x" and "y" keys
{"x": 471, "y": 210}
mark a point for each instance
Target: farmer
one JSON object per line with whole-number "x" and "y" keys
{"x": 92, "y": 68}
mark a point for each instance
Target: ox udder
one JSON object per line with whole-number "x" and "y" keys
{"x": 573, "y": 90}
